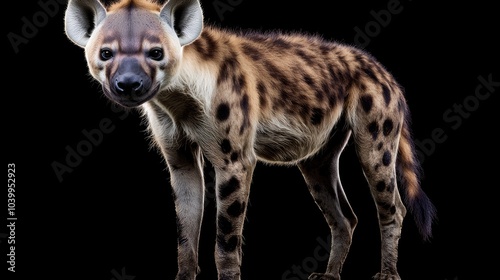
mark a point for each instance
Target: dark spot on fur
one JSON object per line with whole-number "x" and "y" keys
{"x": 271, "y": 68}
{"x": 388, "y": 223}
{"x": 380, "y": 146}
{"x": 387, "y": 94}
{"x": 320, "y": 95}
{"x": 387, "y": 127}
{"x": 308, "y": 80}
{"x": 307, "y": 58}
{"x": 229, "y": 187}
{"x": 223, "y": 112}
{"x": 393, "y": 209}
{"x": 334, "y": 78}
{"x": 245, "y": 109}
{"x": 317, "y": 116}
{"x": 304, "y": 110}
{"x": 262, "y": 90}
{"x": 374, "y": 129}
{"x": 380, "y": 186}
{"x": 244, "y": 104}
{"x": 342, "y": 93}
{"x": 332, "y": 99}
{"x": 229, "y": 245}
{"x": 236, "y": 209}
{"x": 225, "y": 146}
{"x": 239, "y": 83}
{"x": 360, "y": 58}
{"x": 345, "y": 66}
{"x": 277, "y": 74}
{"x": 223, "y": 73}
{"x": 251, "y": 51}
{"x": 206, "y": 45}
{"x": 227, "y": 68}
{"x": 325, "y": 49}
{"x": 366, "y": 102}
{"x": 281, "y": 43}
{"x": 384, "y": 205}
{"x": 327, "y": 87}
{"x": 386, "y": 158}
{"x": 390, "y": 187}
{"x": 369, "y": 73}
{"x": 285, "y": 94}
{"x": 224, "y": 224}
{"x": 356, "y": 75}
{"x": 234, "y": 156}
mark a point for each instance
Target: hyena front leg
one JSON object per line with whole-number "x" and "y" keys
{"x": 186, "y": 172}
{"x": 233, "y": 187}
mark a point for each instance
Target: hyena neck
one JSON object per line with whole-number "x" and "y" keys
{"x": 196, "y": 78}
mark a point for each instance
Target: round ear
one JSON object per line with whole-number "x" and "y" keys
{"x": 80, "y": 19}
{"x": 185, "y": 17}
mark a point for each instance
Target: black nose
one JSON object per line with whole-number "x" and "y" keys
{"x": 129, "y": 84}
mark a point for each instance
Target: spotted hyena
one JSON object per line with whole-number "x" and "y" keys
{"x": 234, "y": 98}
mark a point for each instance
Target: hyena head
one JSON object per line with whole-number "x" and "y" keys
{"x": 133, "y": 47}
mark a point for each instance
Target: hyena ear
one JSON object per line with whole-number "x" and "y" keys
{"x": 185, "y": 17}
{"x": 81, "y": 17}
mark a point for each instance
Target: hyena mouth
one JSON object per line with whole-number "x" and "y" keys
{"x": 132, "y": 96}
{"x": 130, "y": 85}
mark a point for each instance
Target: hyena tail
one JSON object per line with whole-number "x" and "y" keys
{"x": 409, "y": 170}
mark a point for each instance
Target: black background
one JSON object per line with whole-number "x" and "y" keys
{"x": 112, "y": 217}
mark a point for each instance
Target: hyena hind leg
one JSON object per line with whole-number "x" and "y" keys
{"x": 321, "y": 174}
{"x": 378, "y": 164}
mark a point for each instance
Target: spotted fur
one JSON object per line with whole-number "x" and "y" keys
{"x": 234, "y": 98}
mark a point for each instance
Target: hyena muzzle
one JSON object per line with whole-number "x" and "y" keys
{"x": 237, "y": 97}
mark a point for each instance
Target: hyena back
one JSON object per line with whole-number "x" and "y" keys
{"x": 237, "y": 97}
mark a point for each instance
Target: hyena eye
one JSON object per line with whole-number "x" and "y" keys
{"x": 156, "y": 54}
{"x": 106, "y": 54}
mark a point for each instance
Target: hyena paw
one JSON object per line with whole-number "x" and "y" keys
{"x": 323, "y": 276}
{"x": 187, "y": 275}
{"x": 229, "y": 276}
{"x": 383, "y": 276}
